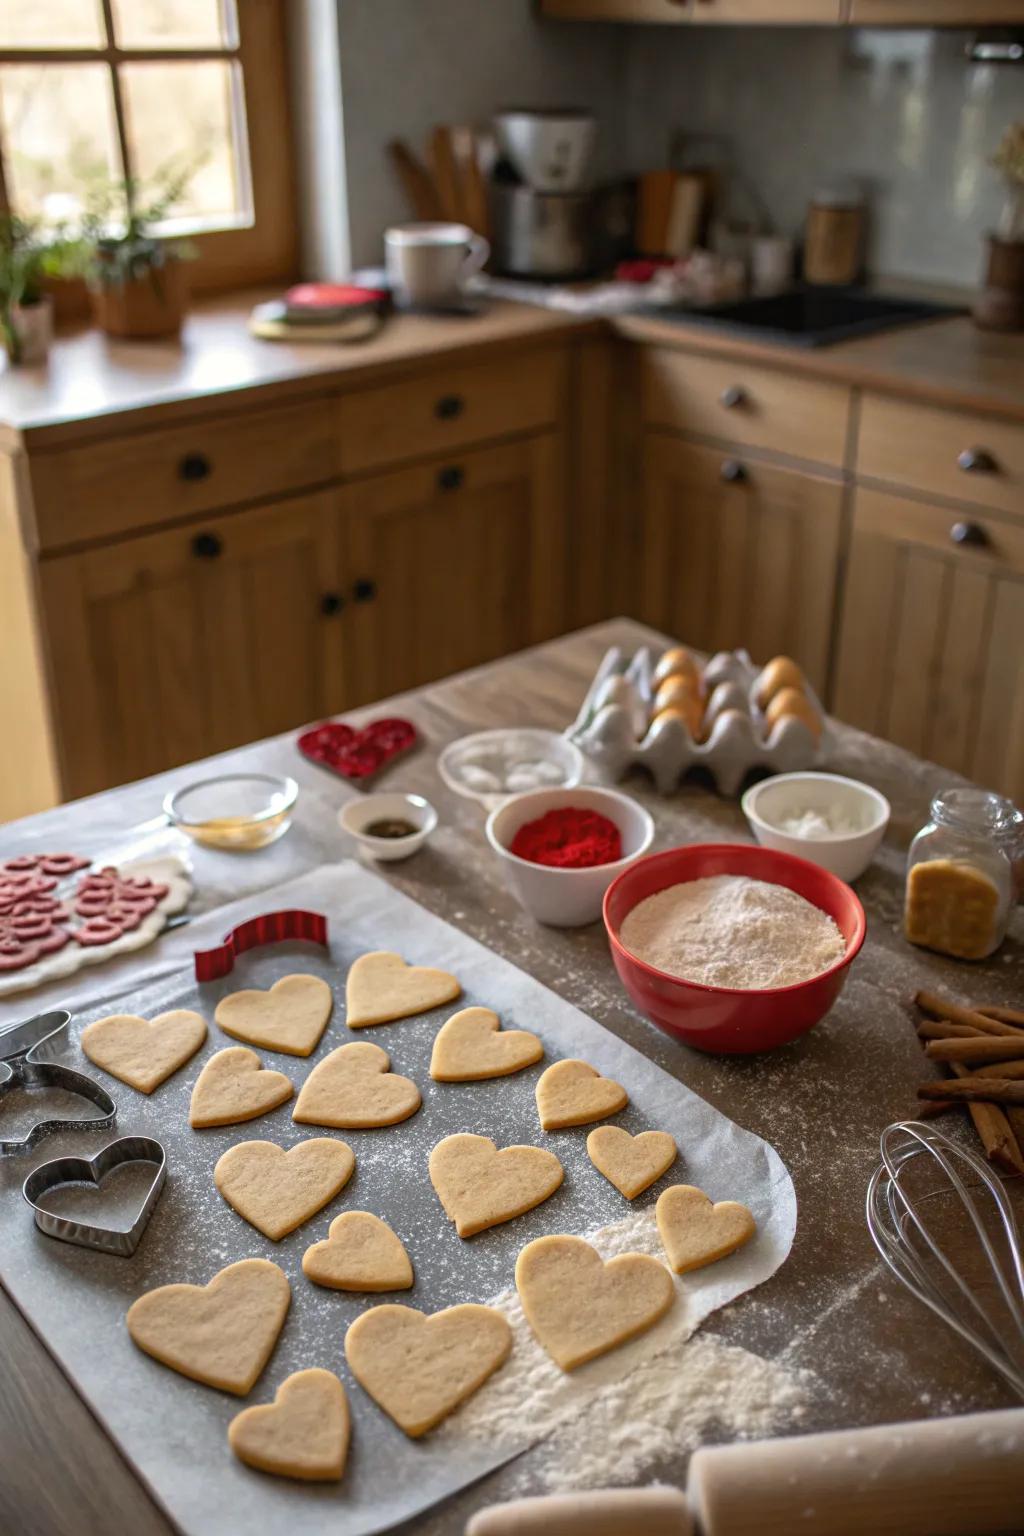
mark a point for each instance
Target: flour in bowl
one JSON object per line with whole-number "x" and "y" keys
{"x": 731, "y": 931}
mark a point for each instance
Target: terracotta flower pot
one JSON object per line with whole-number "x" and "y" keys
{"x": 151, "y": 305}
{"x": 1000, "y": 305}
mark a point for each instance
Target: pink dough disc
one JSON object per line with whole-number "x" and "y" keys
{"x": 98, "y": 930}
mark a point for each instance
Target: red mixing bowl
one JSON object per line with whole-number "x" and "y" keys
{"x": 730, "y": 1019}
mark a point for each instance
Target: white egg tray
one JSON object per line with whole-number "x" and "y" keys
{"x": 612, "y": 725}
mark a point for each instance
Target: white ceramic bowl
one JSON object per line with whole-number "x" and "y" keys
{"x": 496, "y": 752}
{"x": 551, "y": 151}
{"x": 846, "y": 854}
{"x": 566, "y": 898}
{"x": 357, "y": 815}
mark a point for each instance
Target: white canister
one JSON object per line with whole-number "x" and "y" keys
{"x": 771, "y": 264}
{"x": 430, "y": 264}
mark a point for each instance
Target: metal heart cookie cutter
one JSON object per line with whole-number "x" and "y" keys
{"x": 93, "y": 1170}
{"x": 27, "y": 1052}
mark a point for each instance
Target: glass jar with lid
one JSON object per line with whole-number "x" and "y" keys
{"x": 963, "y": 873}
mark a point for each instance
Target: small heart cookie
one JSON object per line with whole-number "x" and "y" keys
{"x": 418, "y": 1368}
{"x": 580, "y": 1307}
{"x": 276, "y": 1191}
{"x": 574, "y": 1093}
{"x": 694, "y": 1232}
{"x": 381, "y": 988}
{"x": 472, "y": 1046}
{"x": 631, "y": 1163}
{"x": 144, "y": 1052}
{"x": 354, "y": 1088}
{"x": 480, "y": 1186}
{"x": 222, "y": 1333}
{"x": 303, "y": 1433}
{"x": 360, "y": 1253}
{"x": 233, "y": 1086}
{"x": 290, "y": 1018}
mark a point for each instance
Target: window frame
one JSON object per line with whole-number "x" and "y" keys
{"x": 266, "y": 249}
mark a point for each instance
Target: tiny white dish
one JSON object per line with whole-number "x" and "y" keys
{"x": 489, "y": 766}
{"x": 566, "y": 898}
{"x": 771, "y": 802}
{"x": 357, "y": 816}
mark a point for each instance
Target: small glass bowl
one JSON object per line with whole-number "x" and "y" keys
{"x": 236, "y": 811}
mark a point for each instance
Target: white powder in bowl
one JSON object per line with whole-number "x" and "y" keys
{"x": 731, "y": 931}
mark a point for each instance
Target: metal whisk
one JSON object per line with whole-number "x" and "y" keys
{"x": 898, "y": 1223}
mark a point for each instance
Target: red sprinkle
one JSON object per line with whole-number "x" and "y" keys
{"x": 569, "y": 838}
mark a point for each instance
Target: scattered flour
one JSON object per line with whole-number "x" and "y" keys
{"x": 827, "y": 822}
{"x": 731, "y": 931}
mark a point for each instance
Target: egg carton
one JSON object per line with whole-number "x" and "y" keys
{"x": 613, "y": 729}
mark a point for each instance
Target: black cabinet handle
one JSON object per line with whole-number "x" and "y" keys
{"x": 969, "y": 535}
{"x": 732, "y": 397}
{"x": 733, "y": 472}
{"x": 450, "y": 478}
{"x": 194, "y": 466}
{"x": 977, "y": 461}
{"x": 364, "y": 590}
{"x": 207, "y": 546}
{"x": 449, "y": 406}
{"x": 331, "y": 603}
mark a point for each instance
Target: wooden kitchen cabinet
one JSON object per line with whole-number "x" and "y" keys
{"x": 173, "y": 645}
{"x": 935, "y": 13}
{"x": 931, "y": 649}
{"x": 671, "y": 12}
{"x": 739, "y": 552}
{"x": 768, "y": 12}
{"x": 454, "y": 562}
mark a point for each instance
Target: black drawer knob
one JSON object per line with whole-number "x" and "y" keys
{"x": 448, "y": 407}
{"x": 194, "y": 466}
{"x": 331, "y": 603}
{"x": 969, "y": 535}
{"x": 450, "y": 478}
{"x": 207, "y": 546}
{"x": 977, "y": 461}
{"x": 364, "y": 590}
{"x": 733, "y": 397}
{"x": 733, "y": 472}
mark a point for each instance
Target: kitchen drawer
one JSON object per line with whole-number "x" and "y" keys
{"x": 945, "y": 453}
{"x": 987, "y": 542}
{"x": 742, "y": 403}
{"x": 126, "y": 484}
{"x": 451, "y": 408}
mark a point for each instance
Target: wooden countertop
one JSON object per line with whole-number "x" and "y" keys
{"x": 873, "y": 1354}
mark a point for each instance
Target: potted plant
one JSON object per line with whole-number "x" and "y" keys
{"x": 137, "y": 279}
{"x": 1001, "y": 305}
{"x": 30, "y": 255}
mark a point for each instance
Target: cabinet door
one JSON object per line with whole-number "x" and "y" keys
{"x": 934, "y": 13}
{"x": 767, "y": 12}
{"x": 455, "y": 562}
{"x": 739, "y": 553}
{"x": 178, "y": 644}
{"x": 931, "y": 650}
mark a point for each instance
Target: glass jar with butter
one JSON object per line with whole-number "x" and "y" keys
{"x": 963, "y": 873}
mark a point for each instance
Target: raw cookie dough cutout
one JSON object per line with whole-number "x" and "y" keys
{"x": 360, "y": 1253}
{"x": 472, "y": 1046}
{"x": 573, "y": 1092}
{"x": 275, "y": 1190}
{"x": 480, "y": 1186}
{"x": 303, "y": 1433}
{"x": 144, "y": 1052}
{"x": 354, "y": 1088}
{"x": 221, "y": 1334}
{"x": 631, "y": 1163}
{"x": 233, "y": 1087}
{"x": 694, "y": 1232}
{"x": 419, "y": 1368}
{"x": 382, "y": 988}
{"x": 290, "y": 1017}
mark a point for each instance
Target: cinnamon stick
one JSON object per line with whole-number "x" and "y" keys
{"x": 996, "y": 1129}
{"x": 1003, "y": 1015}
{"x": 1003, "y": 1069}
{"x": 941, "y": 1008}
{"x": 938, "y": 1029}
{"x": 974, "y": 1049}
{"x": 995, "y": 1090}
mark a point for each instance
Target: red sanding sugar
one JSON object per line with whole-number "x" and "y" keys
{"x": 569, "y": 838}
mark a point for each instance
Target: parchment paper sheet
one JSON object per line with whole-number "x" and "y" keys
{"x": 174, "y": 1430}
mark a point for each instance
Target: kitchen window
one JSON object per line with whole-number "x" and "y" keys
{"x": 92, "y": 91}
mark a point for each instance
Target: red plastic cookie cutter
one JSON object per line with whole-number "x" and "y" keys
{"x": 269, "y": 928}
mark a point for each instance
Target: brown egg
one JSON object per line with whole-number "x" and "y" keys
{"x": 689, "y": 712}
{"x": 676, "y": 690}
{"x": 781, "y": 673}
{"x": 676, "y": 662}
{"x": 790, "y": 703}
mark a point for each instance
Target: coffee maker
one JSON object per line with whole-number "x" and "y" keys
{"x": 544, "y": 211}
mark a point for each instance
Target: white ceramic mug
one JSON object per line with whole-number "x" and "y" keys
{"x": 430, "y": 264}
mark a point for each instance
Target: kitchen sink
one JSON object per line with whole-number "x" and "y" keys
{"x": 808, "y": 317}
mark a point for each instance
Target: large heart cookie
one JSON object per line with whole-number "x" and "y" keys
{"x": 291, "y": 1017}
{"x": 381, "y": 987}
{"x": 631, "y": 1163}
{"x": 580, "y": 1307}
{"x": 694, "y": 1232}
{"x": 276, "y": 1191}
{"x": 221, "y": 1333}
{"x": 420, "y": 1368}
{"x": 573, "y": 1093}
{"x": 472, "y": 1045}
{"x": 480, "y": 1187}
{"x": 303, "y": 1433}
{"x": 143, "y": 1052}
{"x": 233, "y": 1086}
{"x": 354, "y": 1088}
{"x": 360, "y": 1253}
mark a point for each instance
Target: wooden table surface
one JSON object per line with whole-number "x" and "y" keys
{"x": 876, "y": 1355}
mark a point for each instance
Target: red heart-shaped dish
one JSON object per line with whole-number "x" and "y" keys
{"x": 357, "y": 755}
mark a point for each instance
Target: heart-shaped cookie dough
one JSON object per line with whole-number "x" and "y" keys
{"x": 694, "y": 1232}
{"x": 574, "y": 1093}
{"x": 276, "y": 1191}
{"x": 144, "y": 1052}
{"x": 472, "y": 1046}
{"x": 631, "y": 1163}
{"x": 420, "y": 1368}
{"x": 291, "y": 1017}
{"x": 580, "y": 1307}
{"x": 360, "y": 1253}
{"x": 381, "y": 987}
{"x": 233, "y": 1086}
{"x": 303, "y": 1433}
{"x": 222, "y": 1333}
{"x": 354, "y": 1088}
{"x": 481, "y": 1187}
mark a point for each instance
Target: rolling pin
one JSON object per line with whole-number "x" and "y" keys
{"x": 937, "y": 1477}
